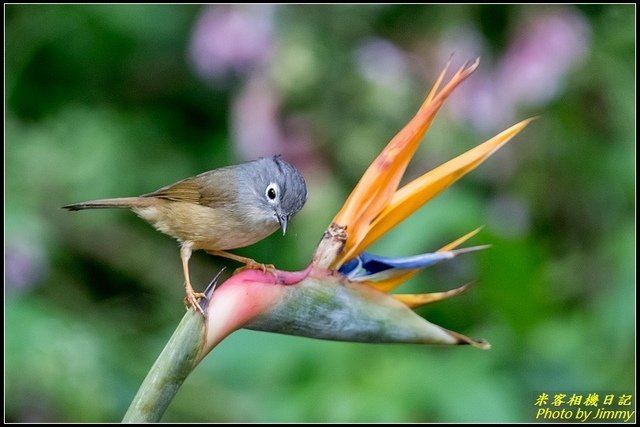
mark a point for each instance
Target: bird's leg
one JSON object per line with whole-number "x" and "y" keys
{"x": 249, "y": 264}
{"x": 192, "y": 297}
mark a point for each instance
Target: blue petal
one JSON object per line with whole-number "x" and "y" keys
{"x": 367, "y": 266}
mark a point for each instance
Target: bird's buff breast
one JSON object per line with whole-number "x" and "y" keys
{"x": 207, "y": 228}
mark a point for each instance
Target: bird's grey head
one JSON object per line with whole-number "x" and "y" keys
{"x": 279, "y": 187}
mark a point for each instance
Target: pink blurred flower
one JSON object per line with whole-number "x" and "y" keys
{"x": 229, "y": 40}
{"x": 25, "y": 265}
{"x": 546, "y": 46}
{"x": 259, "y": 127}
{"x": 381, "y": 62}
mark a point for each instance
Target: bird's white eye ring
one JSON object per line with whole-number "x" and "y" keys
{"x": 272, "y": 192}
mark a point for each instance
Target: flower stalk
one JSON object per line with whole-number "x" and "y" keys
{"x": 173, "y": 366}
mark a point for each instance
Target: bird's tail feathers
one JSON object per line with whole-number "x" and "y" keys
{"x": 121, "y": 202}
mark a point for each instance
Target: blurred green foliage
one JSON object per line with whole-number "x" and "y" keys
{"x": 105, "y": 101}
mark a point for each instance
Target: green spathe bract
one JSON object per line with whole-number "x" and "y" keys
{"x": 334, "y": 309}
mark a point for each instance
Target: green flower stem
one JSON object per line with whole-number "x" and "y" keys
{"x": 172, "y": 367}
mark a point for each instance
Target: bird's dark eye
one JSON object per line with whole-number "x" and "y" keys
{"x": 272, "y": 192}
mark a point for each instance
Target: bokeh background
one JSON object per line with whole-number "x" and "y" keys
{"x": 106, "y": 101}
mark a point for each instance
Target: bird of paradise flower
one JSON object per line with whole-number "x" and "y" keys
{"x": 344, "y": 293}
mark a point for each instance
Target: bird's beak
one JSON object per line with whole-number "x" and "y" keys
{"x": 283, "y": 220}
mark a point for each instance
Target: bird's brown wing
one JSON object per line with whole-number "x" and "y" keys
{"x": 217, "y": 187}
{"x": 207, "y": 189}
{"x": 182, "y": 191}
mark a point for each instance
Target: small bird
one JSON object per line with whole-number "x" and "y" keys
{"x": 226, "y": 208}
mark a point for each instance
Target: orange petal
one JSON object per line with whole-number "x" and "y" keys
{"x": 418, "y": 300}
{"x": 459, "y": 241}
{"x": 415, "y": 194}
{"x": 434, "y": 90}
{"x": 393, "y": 282}
{"x": 380, "y": 181}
